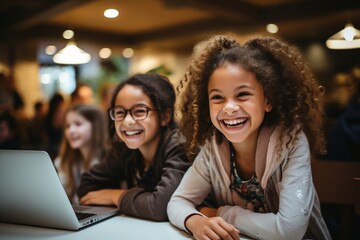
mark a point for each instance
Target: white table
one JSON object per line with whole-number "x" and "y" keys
{"x": 118, "y": 227}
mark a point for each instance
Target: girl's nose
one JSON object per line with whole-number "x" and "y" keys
{"x": 230, "y": 107}
{"x": 128, "y": 119}
{"x": 71, "y": 129}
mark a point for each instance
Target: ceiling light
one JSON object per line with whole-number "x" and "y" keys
{"x": 128, "y": 52}
{"x": 68, "y": 34}
{"x": 111, "y": 13}
{"x": 71, "y": 54}
{"x": 272, "y": 28}
{"x": 348, "y": 38}
{"x": 105, "y": 53}
{"x": 50, "y": 50}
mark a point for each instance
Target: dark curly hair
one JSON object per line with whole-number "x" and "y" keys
{"x": 288, "y": 84}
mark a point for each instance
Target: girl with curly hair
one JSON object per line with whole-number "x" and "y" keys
{"x": 255, "y": 111}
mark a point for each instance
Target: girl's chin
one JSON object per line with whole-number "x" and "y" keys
{"x": 132, "y": 145}
{"x": 234, "y": 139}
{"x": 233, "y": 135}
{"x": 75, "y": 145}
{"x": 229, "y": 131}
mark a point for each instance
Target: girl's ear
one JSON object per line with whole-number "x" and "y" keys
{"x": 268, "y": 105}
{"x": 165, "y": 117}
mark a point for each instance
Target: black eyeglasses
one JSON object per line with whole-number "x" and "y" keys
{"x": 138, "y": 113}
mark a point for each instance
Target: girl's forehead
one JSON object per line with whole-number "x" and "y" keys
{"x": 73, "y": 115}
{"x": 231, "y": 75}
{"x": 131, "y": 95}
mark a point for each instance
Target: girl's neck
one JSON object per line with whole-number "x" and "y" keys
{"x": 244, "y": 161}
{"x": 85, "y": 152}
{"x": 148, "y": 151}
{"x": 245, "y": 157}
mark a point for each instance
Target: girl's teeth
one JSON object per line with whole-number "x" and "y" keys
{"x": 130, "y": 133}
{"x": 234, "y": 122}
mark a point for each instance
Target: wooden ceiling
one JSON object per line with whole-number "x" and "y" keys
{"x": 175, "y": 24}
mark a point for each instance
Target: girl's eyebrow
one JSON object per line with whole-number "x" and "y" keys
{"x": 135, "y": 105}
{"x": 245, "y": 86}
{"x": 241, "y": 87}
{"x": 214, "y": 90}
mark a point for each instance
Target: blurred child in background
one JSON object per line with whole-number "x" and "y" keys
{"x": 83, "y": 145}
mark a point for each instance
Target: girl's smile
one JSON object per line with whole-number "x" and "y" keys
{"x": 237, "y": 102}
{"x": 143, "y": 134}
{"x": 234, "y": 123}
{"x": 132, "y": 132}
{"x": 77, "y": 130}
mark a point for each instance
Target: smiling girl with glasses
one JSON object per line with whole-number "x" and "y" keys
{"x": 147, "y": 158}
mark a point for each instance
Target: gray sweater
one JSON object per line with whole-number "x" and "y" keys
{"x": 286, "y": 180}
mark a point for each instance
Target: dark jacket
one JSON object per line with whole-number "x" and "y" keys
{"x": 145, "y": 199}
{"x": 344, "y": 138}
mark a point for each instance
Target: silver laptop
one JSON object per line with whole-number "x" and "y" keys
{"x": 32, "y": 194}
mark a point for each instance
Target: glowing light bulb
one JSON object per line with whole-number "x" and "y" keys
{"x": 349, "y": 32}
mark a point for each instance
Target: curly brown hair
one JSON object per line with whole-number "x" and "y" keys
{"x": 288, "y": 83}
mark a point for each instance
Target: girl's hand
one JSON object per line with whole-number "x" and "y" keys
{"x": 103, "y": 197}
{"x": 211, "y": 228}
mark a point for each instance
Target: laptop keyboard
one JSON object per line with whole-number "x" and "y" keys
{"x": 82, "y": 215}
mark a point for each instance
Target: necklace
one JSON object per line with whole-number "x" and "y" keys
{"x": 249, "y": 190}
{"x": 237, "y": 181}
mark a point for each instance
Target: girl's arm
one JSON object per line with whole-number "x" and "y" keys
{"x": 152, "y": 205}
{"x": 104, "y": 175}
{"x": 194, "y": 187}
{"x": 103, "y": 197}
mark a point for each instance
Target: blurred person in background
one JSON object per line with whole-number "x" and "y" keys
{"x": 9, "y": 133}
{"x": 83, "y": 145}
{"x": 10, "y": 98}
{"x": 36, "y": 130}
{"x": 83, "y": 94}
{"x": 54, "y": 124}
{"x": 343, "y": 139}
{"x": 12, "y": 101}
{"x": 106, "y": 92}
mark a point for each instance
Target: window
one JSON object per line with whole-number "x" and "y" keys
{"x": 57, "y": 79}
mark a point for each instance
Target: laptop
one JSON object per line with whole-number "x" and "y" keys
{"x": 31, "y": 193}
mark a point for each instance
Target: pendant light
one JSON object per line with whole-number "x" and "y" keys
{"x": 348, "y": 38}
{"x": 71, "y": 53}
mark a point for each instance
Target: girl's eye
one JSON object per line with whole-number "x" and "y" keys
{"x": 139, "y": 110}
{"x": 216, "y": 97}
{"x": 119, "y": 112}
{"x": 243, "y": 94}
